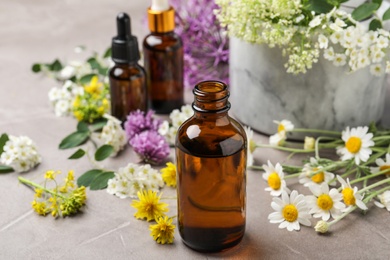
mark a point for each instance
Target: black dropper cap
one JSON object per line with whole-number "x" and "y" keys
{"x": 124, "y": 45}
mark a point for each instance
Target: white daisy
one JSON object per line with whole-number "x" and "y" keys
{"x": 307, "y": 178}
{"x": 350, "y": 196}
{"x": 324, "y": 203}
{"x": 251, "y": 145}
{"x": 291, "y": 211}
{"x": 277, "y": 139}
{"x": 384, "y": 199}
{"x": 284, "y": 125}
{"x": 274, "y": 175}
{"x": 357, "y": 143}
{"x": 382, "y": 165}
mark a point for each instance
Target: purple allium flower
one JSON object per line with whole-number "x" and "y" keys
{"x": 137, "y": 122}
{"x": 206, "y": 46}
{"x": 150, "y": 146}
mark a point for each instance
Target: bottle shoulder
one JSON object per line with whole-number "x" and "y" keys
{"x": 155, "y": 41}
{"x": 127, "y": 71}
{"x": 211, "y": 138}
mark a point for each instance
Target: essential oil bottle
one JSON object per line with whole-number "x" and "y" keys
{"x": 163, "y": 59}
{"x": 211, "y": 154}
{"x": 127, "y": 78}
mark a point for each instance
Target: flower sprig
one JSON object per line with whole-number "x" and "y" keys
{"x": 60, "y": 201}
{"x": 359, "y": 148}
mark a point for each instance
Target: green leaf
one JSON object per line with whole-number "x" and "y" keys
{"x": 82, "y": 127}
{"x": 86, "y": 79}
{"x": 375, "y": 25}
{"x": 103, "y": 152}
{"x": 101, "y": 181}
{"x": 364, "y": 11}
{"x": 88, "y": 177}
{"x": 98, "y": 124}
{"x": 36, "y": 67}
{"x": 5, "y": 169}
{"x": 320, "y": 7}
{"x": 55, "y": 66}
{"x": 103, "y": 71}
{"x": 74, "y": 139}
{"x": 3, "y": 139}
{"x": 107, "y": 53}
{"x": 94, "y": 63}
{"x": 78, "y": 154}
{"x": 386, "y": 15}
{"x": 379, "y": 2}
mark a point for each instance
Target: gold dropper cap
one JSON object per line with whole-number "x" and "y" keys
{"x": 161, "y": 21}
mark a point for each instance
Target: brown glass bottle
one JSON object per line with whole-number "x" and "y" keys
{"x": 211, "y": 172}
{"x": 163, "y": 62}
{"x": 128, "y": 89}
{"x": 127, "y": 78}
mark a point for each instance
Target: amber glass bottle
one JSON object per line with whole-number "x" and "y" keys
{"x": 127, "y": 78}
{"x": 163, "y": 61}
{"x": 211, "y": 172}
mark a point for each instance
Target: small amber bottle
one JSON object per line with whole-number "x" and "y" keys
{"x": 163, "y": 59}
{"x": 127, "y": 78}
{"x": 211, "y": 172}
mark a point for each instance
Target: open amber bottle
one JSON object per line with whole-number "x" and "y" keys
{"x": 211, "y": 172}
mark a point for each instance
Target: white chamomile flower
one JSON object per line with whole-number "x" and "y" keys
{"x": 324, "y": 203}
{"x": 382, "y": 165}
{"x": 329, "y": 54}
{"x": 307, "y": 177}
{"x": 290, "y": 211}
{"x": 323, "y": 41}
{"x": 251, "y": 145}
{"x": 376, "y": 70}
{"x": 357, "y": 143}
{"x": 384, "y": 200}
{"x": 351, "y": 196}
{"x": 277, "y": 139}
{"x": 284, "y": 125}
{"x": 274, "y": 176}
{"x": 309, "y": 143}
{"x": 340, "y": 59}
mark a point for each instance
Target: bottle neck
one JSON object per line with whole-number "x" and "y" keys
{"x": 211, "y": 99}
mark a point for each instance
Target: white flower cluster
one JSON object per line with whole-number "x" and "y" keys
{"x": 113, "y": 134}
{"x": 357, "y": 46}
{"x": 133, "y": 178}
{"x": 177, "y": 118}
{"x": 20, "y": 153}
{"x": 62, "y": 98}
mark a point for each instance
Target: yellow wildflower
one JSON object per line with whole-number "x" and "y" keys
{"x": 163, "y": 231}
{"x": 51, "y": 174}
{"x": 40, "y": 207}
{"x": 169, "y": 174}
{"x": 149, "y": 206}
{"x": 38, "y": 193}
{"x": 94, "y": 86}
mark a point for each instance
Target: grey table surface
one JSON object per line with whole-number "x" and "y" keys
{"x": 41, "y": 30}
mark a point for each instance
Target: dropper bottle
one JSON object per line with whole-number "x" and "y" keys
{"x": 163, "y": 59}
{"x": 127, "y": 78}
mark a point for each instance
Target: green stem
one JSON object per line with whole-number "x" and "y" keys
{"x": 370, "y": 176}
{"x": 342, "y": 216}
{"x": 36, "y": 185}
{"x": 282, "y": 148}
{"x": 374, "y": 185}
{"x": 372, "y": 195}
{"x": 292, "y": 175}
{"x": 317, "y": 131}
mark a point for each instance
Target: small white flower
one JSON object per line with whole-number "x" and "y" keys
{"x": 20, "y": 153}
{"x": 325, "y": 203}
{"x": 382, "y": 42}
{"x": 54, "y": 95}
{"x": 336, "y": 37}
{"x": 376, "y": 70}
{"x": 277, "y": 139}
{"x": 329, "y": 54}
{"x": 250, "y": 145}
{"x": 284, "y": 125}
{"x": 113, "y": 134}
{"x": 66, "y": 73}
{"x": 309, "y": 143}
{"x": 323, "y": 41}
{"x": 62, "y": 108}
{"x": 387, "y": 66}
{"x": 363, "y": 60}
{"x": 163, "y": 128}
{"x": 377, "y": 56}
{"x": 307, "y": 178}
{"x": 357, "y": 143}
{"x": 384, "y": 200}
{"x": 351, "y": 196}
{"x": 339, "y": 59}
{"x": 274, "y": 176}
{"x": 290, "y": 211}
{"x": 315, "y": 21}
{"x": 382, "y": 165}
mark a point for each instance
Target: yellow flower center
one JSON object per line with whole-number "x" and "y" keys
{"x": 348, "y": 196}
{"x": 281, "y": 128}
{"x": 325, "y": 202}
{"x": 353, "y": 144}
{"x": 318, "y": 177}
{"x": 274, "y": 181}
{"x": 385, "y": 167}
{"x": 290, "y": 213}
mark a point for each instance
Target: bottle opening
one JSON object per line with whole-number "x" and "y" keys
{"x": 211, "y": 96}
